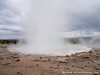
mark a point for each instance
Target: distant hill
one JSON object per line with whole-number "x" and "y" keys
{"x": 9, "y": 41}
{"x": 78, "y": 40}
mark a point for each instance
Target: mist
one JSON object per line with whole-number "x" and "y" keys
{"x": 44, "y": 23}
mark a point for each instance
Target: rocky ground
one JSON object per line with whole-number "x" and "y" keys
{"x": 84, "y": 63}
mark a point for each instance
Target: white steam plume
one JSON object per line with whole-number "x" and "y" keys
{"x": 44, "y": 22}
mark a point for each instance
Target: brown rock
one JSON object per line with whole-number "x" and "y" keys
{"x": 85, "y": 57}
{"x": 17, "y": 60}
{"x": 6, "y": 63}
{"x": 91, "y": 51}
{"x": 1, "y": 58}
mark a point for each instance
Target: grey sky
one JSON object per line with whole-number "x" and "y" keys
{"x": 9, "y": 21}
{"x": 83, "y": 15}
{"x": 86, "y": 22}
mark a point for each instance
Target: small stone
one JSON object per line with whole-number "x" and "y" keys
{"x": 1, "y": 58}
{"x": 49, "y": 60}
{"x": 58, "y": 65}
{"x": 72, "y": 66}
{"x": 67, "y": 68}
{"x": 7, "y": 63}
{"x": 42, "y": 74}
{"x": 37, "y": 65}
{"x": 85, "y": 57}
{"x": 67, "y": 55}
{"x": 17, "y": 60}
{"x": 85, "y": 65}
{"x": 95, "y": 74}
{"x": 19, "y": 73}
{"x": 91, "y": 51}
{"x": 41, "y": 57}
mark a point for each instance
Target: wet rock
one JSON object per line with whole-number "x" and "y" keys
{"x": 67, "y": 55}
{"x": 37, "y": 65}
{"x": 15, "y": 56}
{"x": 49, "y": 60}
{"x": 85, "y": 65}
{"x": 80, "y": 67}
{"x": 5, "y": 63}
{"x": 35, "y": 60}
{"x": 19, "y": 73}
{"x": 95, "y": 74}
{"x": 58, "y": 65}
{"x": 41, "y": 57}
{"x": 1, "y": 58}
{"x": 42, "y": 74}
{"x": 96, "y": 68}
{"x": 85, "y": 57}
{"x": 72, "y": 66}
{"x": 97, "y": 56}
{"x": 67, "y": 68}
{"x": 17, "y": 60}
{"x": 92, "y": 51}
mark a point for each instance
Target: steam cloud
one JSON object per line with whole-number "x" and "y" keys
{"x": 45, "y": 21}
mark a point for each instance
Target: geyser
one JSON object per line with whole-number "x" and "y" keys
{"x": 44, "y": 22}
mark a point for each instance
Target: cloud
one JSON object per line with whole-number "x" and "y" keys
{"x": 10, "y": 32}
{"x": 86, "y": 22}
{"x": 83, "y": 15}
{"x": 10, "y": 19}
{"x": 78, "y": 14}
{"x": 80, "y": 33}
{"x": 10, "y": 27}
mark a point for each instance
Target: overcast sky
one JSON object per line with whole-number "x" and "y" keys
{"x": 80, "y": 15}
{"x": 9, "y": 21}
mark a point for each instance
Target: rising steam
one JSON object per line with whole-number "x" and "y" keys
{"x": 44, "y": 22}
